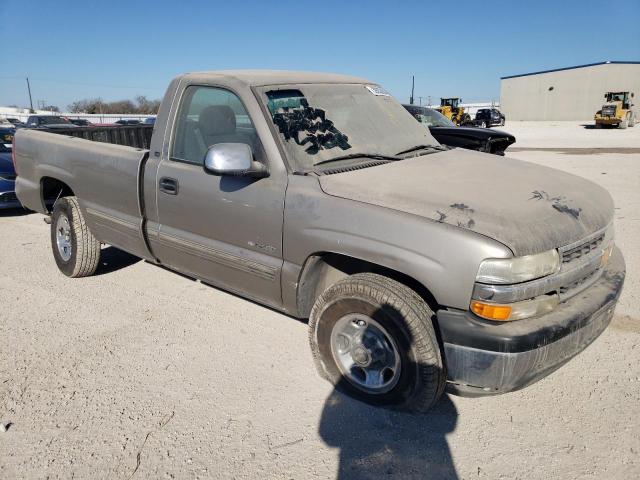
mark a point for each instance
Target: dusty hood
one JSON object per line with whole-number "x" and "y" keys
{"x": 527, "y": 207}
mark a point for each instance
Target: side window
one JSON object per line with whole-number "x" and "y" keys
{"x": 207, "y": 116}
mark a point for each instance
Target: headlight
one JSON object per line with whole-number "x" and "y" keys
{"x": 518, "y": 269}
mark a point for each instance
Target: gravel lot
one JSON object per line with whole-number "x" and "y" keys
{"x": 140, "y": 372}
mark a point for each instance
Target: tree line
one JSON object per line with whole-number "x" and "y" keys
{"x": 140, "y": 105}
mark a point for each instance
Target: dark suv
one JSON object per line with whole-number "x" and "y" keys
{"x": 487, "y": 117}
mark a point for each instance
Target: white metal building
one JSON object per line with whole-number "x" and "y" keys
{"x": 571, "y": 93}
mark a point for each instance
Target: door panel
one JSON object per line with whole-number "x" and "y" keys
{"x": 226, "y": 230}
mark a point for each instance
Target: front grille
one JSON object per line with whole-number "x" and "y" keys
{"x": 609, "y": 110}
{"x": 583, "y": 249}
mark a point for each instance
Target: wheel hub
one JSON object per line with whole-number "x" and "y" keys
{"x": 361, "y": 356}
{"x": 63, "y": 237}
{"x": 365, "y": 353}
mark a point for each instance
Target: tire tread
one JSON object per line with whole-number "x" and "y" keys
{"x": 87, "y": 255}
{"x": 417, "y": 315}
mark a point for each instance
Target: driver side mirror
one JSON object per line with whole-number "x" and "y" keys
{"x": 233, "y": 159}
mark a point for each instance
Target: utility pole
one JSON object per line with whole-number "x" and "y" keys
{"x": 420, "y": 101}
{"x": 412, "y": 86}
{"x": 30, "y": 100}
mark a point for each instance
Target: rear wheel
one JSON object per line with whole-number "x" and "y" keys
{"x": 75, "y": 249}
{"x": 373, "y": 338}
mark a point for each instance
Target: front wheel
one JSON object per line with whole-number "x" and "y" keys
{"x": 373, "y": 338}
{"x": 75, "y": 249}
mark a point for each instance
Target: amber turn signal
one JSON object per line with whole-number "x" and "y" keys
{"x": 491, "y": 312}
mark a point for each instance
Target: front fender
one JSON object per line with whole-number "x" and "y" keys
{"x": 441, "y": 257}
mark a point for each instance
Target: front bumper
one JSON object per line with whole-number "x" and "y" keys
{"x": 607, "y": 120}
{"x": 488, "y": 358}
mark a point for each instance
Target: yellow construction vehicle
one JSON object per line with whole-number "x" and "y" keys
{"x": 450, "y": 108}
{"x": 616, "y": 111}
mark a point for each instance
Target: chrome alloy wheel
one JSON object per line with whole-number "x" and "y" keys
{"x": 365, "y": 353}
{"x": 63, "y": 237}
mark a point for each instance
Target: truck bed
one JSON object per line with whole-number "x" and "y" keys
{"x": 138, "y": 136}
{"x": 104, "y": 176}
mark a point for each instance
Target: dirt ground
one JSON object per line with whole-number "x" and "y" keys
{"x": 138, "y": 372}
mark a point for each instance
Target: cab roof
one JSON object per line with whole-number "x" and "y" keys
{"x": 255, "y": 78}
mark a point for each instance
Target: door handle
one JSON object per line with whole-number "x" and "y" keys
{"x": 169, "y": 185}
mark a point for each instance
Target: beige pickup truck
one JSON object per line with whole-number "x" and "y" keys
{"x": 418, "y": 266}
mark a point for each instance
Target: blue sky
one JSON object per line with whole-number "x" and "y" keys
{"x": 117, "y": 49}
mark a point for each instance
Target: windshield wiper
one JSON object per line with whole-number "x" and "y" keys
{"x": 375, "y": 156}
{"x": 421, "y": 147}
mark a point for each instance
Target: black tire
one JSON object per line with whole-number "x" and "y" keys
{"x": 84, "y": 252}
{"x": 408, "y": 320}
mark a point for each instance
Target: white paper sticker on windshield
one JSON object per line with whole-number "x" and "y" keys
{"x": 378, "y": 90}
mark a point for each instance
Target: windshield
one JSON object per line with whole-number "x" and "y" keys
{"x": 53, "y": 120}
{"x": 318, "y": 123}
{"x": 615, "y": 97}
